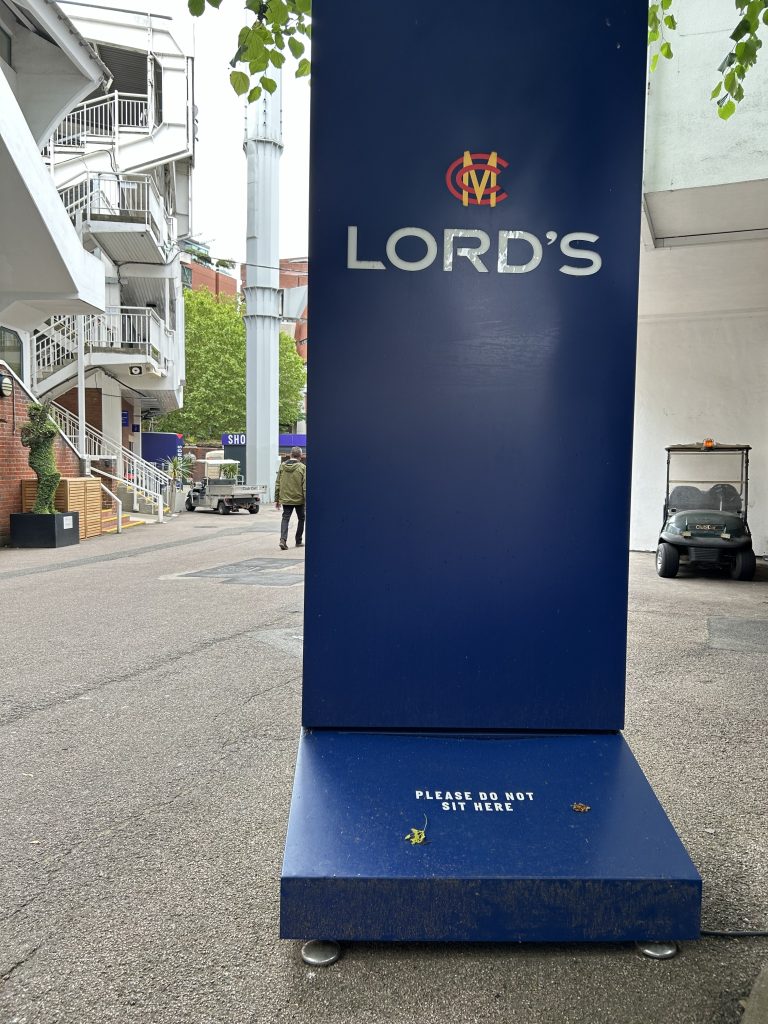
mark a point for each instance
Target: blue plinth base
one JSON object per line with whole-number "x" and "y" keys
{"x": 503, "y": 838}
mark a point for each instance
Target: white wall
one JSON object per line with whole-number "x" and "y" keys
{"x": 43, "y": 267}
{"x": 696, "y": 378}
{"x": 687, "y": 145}
{"x": 111, "y": 409}
{"x": 47, "y": 83}
{"x": 702, "y": 359}
{"x": 702, "y": 369}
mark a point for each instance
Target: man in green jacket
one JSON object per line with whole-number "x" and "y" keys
{"x": 291, "y": 493}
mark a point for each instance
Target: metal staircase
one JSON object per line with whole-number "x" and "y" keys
{"x": 55, "y": 347}
{"x": 99, "y": 123}
{"x": 138, "y": 482}
{"x": 115, "y": 131}
{"x": 133, "y": 331}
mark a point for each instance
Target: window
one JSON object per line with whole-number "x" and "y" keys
{"x": 5, "y": 47}
{"x": 10, "y": 349}
{"x": 186, "y": 275}
{"x": 157, "y": 78}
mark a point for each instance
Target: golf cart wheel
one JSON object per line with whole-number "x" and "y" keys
{"x": 743, "y": 567}
{"x": 189, "y": 506}
{"x": 667, "y": 560}
{"x": 253, "y": 509}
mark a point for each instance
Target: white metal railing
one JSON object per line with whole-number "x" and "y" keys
{"x": 101, "y": 119}
{"x": 118, "y": 505}
{"x": 55, "y": 346}
{"x": 133, "y": 330}
{"x": 77, "y": 199}
{"x": 157, "y": 499}
{"x": 141, "y": 476}
{"x": 129, "y": 196}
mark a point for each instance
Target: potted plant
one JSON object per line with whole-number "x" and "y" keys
{"x": 43, "y": 527}
{"x": 179, "y": 469}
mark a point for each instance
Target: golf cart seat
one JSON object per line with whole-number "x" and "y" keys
{"x": 723, "y": 497}
{"x": 685, "y": 497}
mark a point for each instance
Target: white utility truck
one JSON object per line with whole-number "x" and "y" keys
{"x": 222, "y": 488}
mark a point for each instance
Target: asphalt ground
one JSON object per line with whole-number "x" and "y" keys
{"x": 149, "y": 717}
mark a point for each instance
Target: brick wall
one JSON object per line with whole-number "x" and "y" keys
{"x": 293, "y": 274}
{"x": 14, "y": 464}
{"x": 199, "y": 451}
{"x": 214, "y": 280}
{"x": 92, "y": 405}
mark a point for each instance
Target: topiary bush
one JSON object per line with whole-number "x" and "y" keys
{"x": 39, "y": 435}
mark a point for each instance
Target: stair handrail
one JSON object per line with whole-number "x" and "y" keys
{"x": 102, "y": 117}
{"x": 157, "y": 498}
{"x": 107, "y": 189}
{"x": 118, "y": 505}
{"x": 86, "y": 200}
{"x": 132, "y": 329}
{"x": 143, "y": 476}
{"x": 110, "y": 98}
{"x": 57, "y": 336}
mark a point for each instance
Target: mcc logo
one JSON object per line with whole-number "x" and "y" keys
{"x": 464, "y": 180}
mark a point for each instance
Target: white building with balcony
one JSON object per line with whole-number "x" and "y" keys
{"x": 121, "y": 160}
{"x": 702, "y": 365}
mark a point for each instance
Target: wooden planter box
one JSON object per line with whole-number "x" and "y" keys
{"x": 29, "y": 530}
{"x": 81, "y": 494}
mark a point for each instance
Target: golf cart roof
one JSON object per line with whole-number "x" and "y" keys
{"x": 708, "y": 445}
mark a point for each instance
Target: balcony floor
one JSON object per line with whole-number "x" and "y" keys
{"x": 126, "y": 242}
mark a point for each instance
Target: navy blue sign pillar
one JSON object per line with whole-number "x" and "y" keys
{"x": 475, "y": 211}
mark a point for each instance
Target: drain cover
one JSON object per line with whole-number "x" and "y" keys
{"x": 259, "y": 572}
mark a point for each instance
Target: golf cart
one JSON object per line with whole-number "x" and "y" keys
{"x": 222, "y": 489}
{"x": 705, "y": 510}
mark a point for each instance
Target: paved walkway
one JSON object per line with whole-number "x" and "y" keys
{"x": 149, "y": 710}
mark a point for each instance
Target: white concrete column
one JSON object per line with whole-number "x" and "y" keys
{"x": 111, "y": 420}
{"x": 80, "y": 334}
{"x": 136, "y": 421}
{"x": 262, "y": 292}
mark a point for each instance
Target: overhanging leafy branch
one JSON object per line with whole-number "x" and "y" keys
{"x": 729, "y": 91}
{"x": 742, "y": 56}
{"x": 265, "y": 44}
{"x": 276, "y": 32}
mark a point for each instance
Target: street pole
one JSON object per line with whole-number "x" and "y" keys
{"x": 263, "y": 147}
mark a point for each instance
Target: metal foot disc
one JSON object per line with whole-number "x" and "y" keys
{"x": 658, "y": 950}
{"x": 320, "y": 953}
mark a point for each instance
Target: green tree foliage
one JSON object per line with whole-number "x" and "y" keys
{"x": 742, "y": 55}
{"x": 276, "y": 26}
{"x": 214, "y": 395}
{"x": 274, "y": 29}
{"x": 293, "y": 379}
